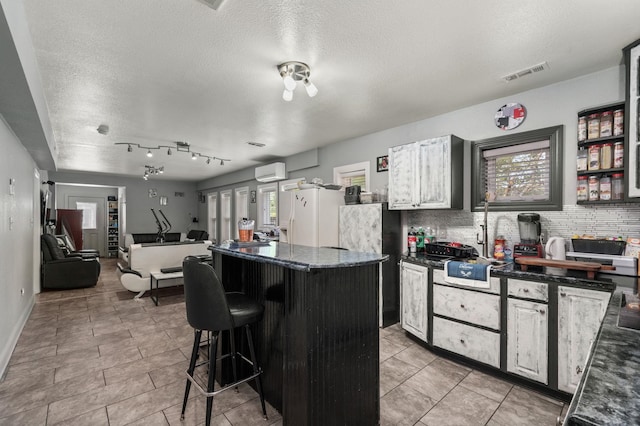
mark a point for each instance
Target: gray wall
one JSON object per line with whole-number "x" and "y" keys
{"x": 179, "y": 210}
{"x": 20, "y": 248}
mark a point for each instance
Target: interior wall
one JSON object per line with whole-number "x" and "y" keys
{"x": 17, "y": 228}
{"x": 180, "y": 210}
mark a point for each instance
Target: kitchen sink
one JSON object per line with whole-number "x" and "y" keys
{"x": 629, "y": 316}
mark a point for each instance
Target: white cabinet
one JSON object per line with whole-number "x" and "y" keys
{"x": 472, "y": 342}
{"x": 426, "y": 174}
{"x": 580, "y": 313}
{"x": 527, "y": 339}
{"x": 414, "y": 289}
{"x": 468, "y": 306}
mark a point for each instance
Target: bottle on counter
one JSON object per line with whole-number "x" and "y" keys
{"x": 420, "y": 240}
{"x": 430, "y": 235}
{"x": 412, "y": 240}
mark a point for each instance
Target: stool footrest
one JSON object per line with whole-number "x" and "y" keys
{"x": 222, "y": 389}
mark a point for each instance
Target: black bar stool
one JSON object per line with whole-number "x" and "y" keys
{"x": 212, "y": 310}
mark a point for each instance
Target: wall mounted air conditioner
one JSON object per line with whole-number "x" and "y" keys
{"x": 270, "y": 172}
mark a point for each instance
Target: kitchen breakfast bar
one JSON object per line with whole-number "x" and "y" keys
{"x": 318, "y": 341}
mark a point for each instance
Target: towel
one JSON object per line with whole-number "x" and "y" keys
{"x": 467, "y": 274}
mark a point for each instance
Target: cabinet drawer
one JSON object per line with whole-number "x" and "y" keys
{"x": 465, "y": 305}
{"x": 528, "y": 290}
{"x": 438, "y": 277}
{"x": 472, "y": 342}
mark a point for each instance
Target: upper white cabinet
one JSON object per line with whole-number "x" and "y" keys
{"x": 414, "y": 290}
{"x": 580, "y": 312}
{"x": 426, "y": 174}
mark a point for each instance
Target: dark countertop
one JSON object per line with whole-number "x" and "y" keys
{"x": 297, "y": 257}
{"x": 603, "y": 282}
{"x": 609, "y": 392}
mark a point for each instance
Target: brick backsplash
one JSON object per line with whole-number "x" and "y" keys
{"x": 598, "y": 220}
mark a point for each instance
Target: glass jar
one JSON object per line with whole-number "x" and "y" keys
{"x": 593, "y": 126}
{"x": 605, "y": 188}
{"x": 618, "y": 122}
{"x": 606, "y": 124}
{"x": 582, "y": 129}
{"x": 618, "y": 155}
{"x": 583, "y": 188}
{"x": 594, "y": 188}
{"x": 582, "y": 160}
{"x": 617, "y": 186}
{"x": 594, "y": 157}
{"x": 606, "y": 156}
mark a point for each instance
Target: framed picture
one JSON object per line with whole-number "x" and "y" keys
{"x": 253, "y": 196}
{"x": 163, "y": 200}
{"x": 383, "y": 163}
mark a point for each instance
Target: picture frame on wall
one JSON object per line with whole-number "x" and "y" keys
{"x": 382, "y": 163}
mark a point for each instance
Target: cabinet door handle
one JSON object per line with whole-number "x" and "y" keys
{"x": 462, "y": 341}
{"x": 563, "y": 294}
{"x": 526, "y": 290}
{"x": 578, "y": 370}
{"x": 462, "y": 305}
{"x": 542, "y": 311}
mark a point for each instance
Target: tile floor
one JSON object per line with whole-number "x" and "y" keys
{"x": 94, "y": 357}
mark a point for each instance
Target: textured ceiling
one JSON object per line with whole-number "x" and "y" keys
{"x": 158, "y": 71}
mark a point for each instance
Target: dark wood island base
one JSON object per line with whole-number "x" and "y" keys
{"x": 318, "y": 342}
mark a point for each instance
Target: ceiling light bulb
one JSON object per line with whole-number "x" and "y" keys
{"x": 129, "y": 149}
{"x": 289, "y": 82}
{"x": 193, "y": 156}
{"x": 149, "y": 154}
{"x": 222, "y": 162}
{"x": 161, "y": 169}
{"x": 287, "y": 95}
{"x": 208, "y": 160}
{"x": 312, "y": 90}
{"x": 169, "y": 151}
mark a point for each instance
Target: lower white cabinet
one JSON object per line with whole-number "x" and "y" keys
{"x": 527, "y": 339}
{"x": 469, "y": 306}
{"x": 414, "y": 289}
{"x": 580, "y": 313}
{"x": 472, "y": 342}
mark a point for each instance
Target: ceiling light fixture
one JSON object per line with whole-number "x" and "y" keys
{"x": 152, "y": 170}
{"x": 103, "y": 129}
{"x": 292, "y": 72}
{"x": 179, "y": 147}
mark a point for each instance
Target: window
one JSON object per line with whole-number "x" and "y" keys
{"x": 518, "y": 172}
{"x": 242, "y": 204}
{"x": 352, "y": 174}
{"x": 225, "y": 215}
{"x": 267, "y": 206}
{"x": 212, "y": 213}
{"x": 89, "y": 214}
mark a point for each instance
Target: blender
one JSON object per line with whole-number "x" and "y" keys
{"x": 530, "y": 229}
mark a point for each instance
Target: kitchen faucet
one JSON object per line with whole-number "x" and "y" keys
{"x": 485, "y": 230}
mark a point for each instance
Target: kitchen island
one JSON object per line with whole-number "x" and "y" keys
{"x": 318, "y": 341}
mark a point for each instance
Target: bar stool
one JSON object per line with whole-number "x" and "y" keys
{"x": 212, "y": 310}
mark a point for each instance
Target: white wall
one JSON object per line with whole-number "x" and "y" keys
{"x": 17, "y": 248}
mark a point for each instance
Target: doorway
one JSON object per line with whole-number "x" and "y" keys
{"x": 93, "y": 221}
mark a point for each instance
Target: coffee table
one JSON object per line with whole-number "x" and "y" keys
{"x": 158, "y": 276}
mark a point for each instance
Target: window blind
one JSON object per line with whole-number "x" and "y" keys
{"x": 518, "y": 172}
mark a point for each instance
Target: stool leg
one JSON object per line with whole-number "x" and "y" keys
{"x": 255, "y": 370}
{"x": 234, "y": 365}
{"x": 213, "y": 350}
{"x": 192, "y": 366}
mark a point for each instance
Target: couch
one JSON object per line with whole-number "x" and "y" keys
{"x": 145, "y": 238}
{"x": 145, "y": 258}
{"x": 59, "y": 271}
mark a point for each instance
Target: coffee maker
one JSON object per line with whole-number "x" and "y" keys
{"x": 530, "y": 229}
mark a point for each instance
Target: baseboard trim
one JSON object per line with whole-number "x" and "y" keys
{"x": 12, "y": 341}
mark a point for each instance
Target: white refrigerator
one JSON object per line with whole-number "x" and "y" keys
{"x": 309, "y": 217}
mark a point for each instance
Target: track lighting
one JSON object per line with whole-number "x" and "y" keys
{"x": 292, "y": 72}
{"x": 179, "y": 147}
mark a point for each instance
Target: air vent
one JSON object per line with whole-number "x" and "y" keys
{"x": 525, "y": 72}
{"x": 258, "y": 144}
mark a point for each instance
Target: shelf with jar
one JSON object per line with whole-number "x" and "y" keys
{"x": 601, "y": 155}
{"x": 112, "y": 228}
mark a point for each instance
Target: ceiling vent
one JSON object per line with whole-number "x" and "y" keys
{"x": 213, "y": 4}
{"x": 525, "y": 72}
{"x": 270, "y": 172}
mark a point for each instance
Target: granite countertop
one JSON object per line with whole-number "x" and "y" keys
{"x": 602, "y": 282}
{"x": 609, "y": 392}
{"x": 297, "y": 257}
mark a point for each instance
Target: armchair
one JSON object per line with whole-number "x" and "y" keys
{"x": 68, "y": 248}
{"x": 59, "y": 271}
{"x": 197, "y": 235}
